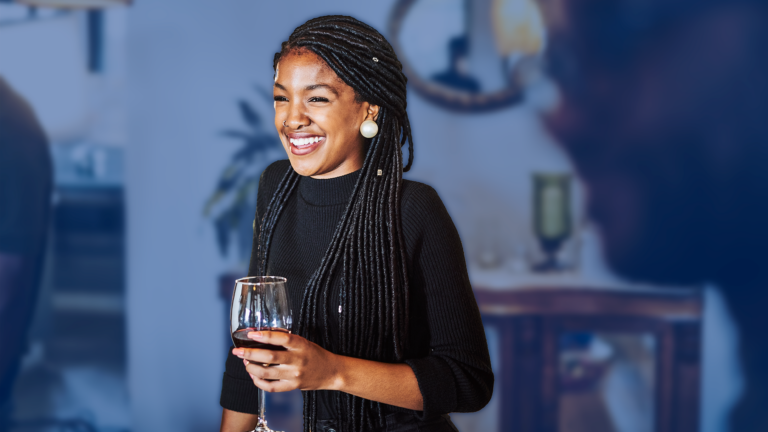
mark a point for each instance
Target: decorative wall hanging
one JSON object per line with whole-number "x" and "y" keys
{"x": 469, "y": 55}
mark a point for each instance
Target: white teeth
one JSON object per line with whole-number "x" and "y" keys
{"x": 298, "y": 142}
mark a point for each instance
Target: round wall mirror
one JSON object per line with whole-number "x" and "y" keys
{"x": 469, "y": 55}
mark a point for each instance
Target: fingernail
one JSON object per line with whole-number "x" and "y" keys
{"x": 255, "y": 335}
{"x": 238, "y": 352}
{"x": 251, "y": 376}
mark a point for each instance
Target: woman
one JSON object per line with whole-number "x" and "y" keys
{"x": 388, "y": 335}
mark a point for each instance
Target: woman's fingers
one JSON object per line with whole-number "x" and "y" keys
{"x": 257, "y": 355}
{"x": 274, "y": 386}
{"x": 264, "y": 372}
{"x": 269, "y": 378}
{"x": 272, "y": 338}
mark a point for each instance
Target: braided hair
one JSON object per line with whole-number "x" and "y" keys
{"x": 367, "y": 247}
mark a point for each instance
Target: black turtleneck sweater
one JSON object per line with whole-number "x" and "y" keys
{"x": 447, "y": 347}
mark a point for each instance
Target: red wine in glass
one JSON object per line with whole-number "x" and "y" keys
{"x": 241, "y": 339}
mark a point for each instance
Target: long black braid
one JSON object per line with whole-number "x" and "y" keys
{"x": 367, "y": 245}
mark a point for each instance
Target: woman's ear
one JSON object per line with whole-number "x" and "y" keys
{"x": 373, "y": 112}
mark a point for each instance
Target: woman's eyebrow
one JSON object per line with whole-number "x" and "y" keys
{"x": 317, "y": 86}
{"x": 312, "y": 87}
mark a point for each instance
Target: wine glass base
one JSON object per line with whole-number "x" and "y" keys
{"x": 262, "y": 427}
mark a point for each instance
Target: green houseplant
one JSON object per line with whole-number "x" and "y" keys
{"x": 232, "y": 205}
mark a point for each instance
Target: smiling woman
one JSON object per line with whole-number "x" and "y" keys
{"x": 387, "y": 334}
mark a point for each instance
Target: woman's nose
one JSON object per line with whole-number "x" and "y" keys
{"x": 297, "y": 119}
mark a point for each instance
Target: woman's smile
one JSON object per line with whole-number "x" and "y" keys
{"x": 304, "y": 143}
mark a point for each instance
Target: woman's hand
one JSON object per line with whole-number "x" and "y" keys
{"x": 303, "y": 365}
{"x": 307, "y": 366}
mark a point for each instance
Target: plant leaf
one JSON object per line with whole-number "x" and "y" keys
{"x": 266, "y": 94}
{"x": 222, "y": 233}
{"x": 227, "y": 183}
{"x": 212, "y": 201}
{"x": 249, "y": 114}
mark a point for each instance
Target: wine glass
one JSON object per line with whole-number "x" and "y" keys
{"x": 259, "y": 303}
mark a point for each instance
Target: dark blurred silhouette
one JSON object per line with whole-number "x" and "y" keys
{"x": 25, "y": 188}
{"x": 665, "y": 115}
{"x": 457, "y": 76}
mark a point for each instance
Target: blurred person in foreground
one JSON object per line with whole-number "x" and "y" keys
{"x": 25, "y": 188}
{"x": 664, "y": 113}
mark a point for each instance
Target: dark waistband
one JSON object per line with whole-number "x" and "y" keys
{"x": 398, "y": 422}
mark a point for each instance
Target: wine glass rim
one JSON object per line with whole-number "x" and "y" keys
{"x": 263, "y": 280}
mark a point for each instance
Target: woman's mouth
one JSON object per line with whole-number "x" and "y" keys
{"x": 302, "y": 144}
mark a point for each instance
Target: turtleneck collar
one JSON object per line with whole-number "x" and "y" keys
{"x": 326, "y": 192}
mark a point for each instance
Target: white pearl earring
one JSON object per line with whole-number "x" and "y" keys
{"x": 369, "y": 129}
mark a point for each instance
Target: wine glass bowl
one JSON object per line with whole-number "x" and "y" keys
{"x": 259, "y": 303}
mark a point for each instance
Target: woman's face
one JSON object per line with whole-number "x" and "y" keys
{"x": 317, "y": 117}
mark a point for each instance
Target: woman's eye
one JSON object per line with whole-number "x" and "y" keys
{"x": 318, "y": 99}
{"x": 280, "y": 99}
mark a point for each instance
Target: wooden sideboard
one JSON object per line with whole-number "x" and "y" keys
{"x": 531, "y": 321}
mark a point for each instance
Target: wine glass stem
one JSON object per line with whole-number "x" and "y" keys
{"x": 262, "y": 421}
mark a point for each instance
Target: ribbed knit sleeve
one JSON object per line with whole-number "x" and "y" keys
{"x": 455, "y": 375}
{"x": 238, "y": 392}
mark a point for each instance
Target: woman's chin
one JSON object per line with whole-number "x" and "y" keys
{"x": 302, "y": 166}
